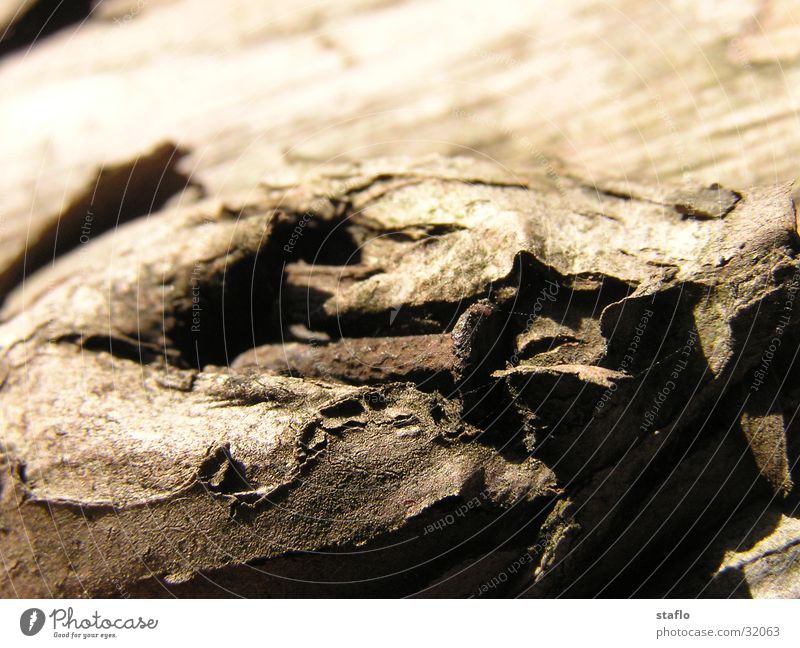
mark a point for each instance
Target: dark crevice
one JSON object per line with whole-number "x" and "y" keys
{"x": 223, "y": 474}
{"x": 42, "y": 18}
{"x": 316, "y": 240}
{"x": 138, "y": 351}
{"x": 238, "y": 310}
{"x": 347, "y": 407}
{"x": 233, "y": 312}
{"x": 544, "y": 292}
{"x": 118, "y": 194}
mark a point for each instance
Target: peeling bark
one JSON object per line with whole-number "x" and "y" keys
{"x": 399, "y": 378}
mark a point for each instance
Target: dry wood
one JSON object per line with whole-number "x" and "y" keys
{"x": 142, "y": 457}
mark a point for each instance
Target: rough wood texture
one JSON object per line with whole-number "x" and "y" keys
{"x": 138, "y": 462}
{"x": 275, "y": 347}
{"x": 674, "y": 91}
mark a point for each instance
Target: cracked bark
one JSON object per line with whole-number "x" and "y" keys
{"x": 297, "y": 392}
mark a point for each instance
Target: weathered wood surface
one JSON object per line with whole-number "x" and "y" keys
{"x": 299, "y": 365}
{"x": 597, "y": 397}
{"x": 695, "y": 91}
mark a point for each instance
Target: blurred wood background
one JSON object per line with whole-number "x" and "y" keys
{"x": 161, "y": 94}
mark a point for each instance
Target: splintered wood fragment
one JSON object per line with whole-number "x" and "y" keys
{"x": 436, "y": 360}
{"x": 414, "y": 358}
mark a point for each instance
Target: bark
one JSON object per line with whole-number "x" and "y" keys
{"x": 410, "y": 377}
{"x": 696, "y": 92}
